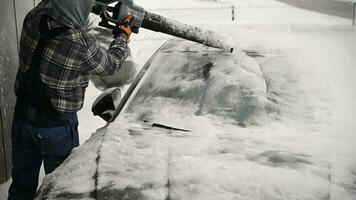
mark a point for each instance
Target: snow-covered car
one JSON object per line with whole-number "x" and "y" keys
{"x": 201, "y": 123}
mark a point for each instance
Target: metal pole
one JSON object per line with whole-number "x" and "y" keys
{"x": 353, "y": 13}
{"x": 16, "y": 28}
{"x": 233, "y": 13}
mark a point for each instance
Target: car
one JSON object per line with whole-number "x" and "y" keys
{"x": 201, "y": 123}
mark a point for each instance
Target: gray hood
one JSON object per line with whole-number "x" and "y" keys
{"x": 77, "y": 11}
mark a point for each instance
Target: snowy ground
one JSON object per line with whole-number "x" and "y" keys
{"x": 324, "y": 66}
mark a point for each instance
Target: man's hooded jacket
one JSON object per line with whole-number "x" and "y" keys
{"x": 69, "y": 58}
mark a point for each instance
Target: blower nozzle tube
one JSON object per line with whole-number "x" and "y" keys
{"x": 161, "y": 24}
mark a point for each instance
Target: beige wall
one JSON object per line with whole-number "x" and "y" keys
{"x": 12, "y": 13}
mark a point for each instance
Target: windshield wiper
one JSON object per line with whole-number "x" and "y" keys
{"x": 206, "y": 74}
{"x": 168, "y": 127}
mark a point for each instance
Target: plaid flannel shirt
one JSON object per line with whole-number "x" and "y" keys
{"x": 68, "y": 59}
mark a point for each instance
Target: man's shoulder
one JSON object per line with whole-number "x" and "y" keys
{"x": 41, "y": 8}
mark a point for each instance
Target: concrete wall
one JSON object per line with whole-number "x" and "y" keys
{"x": 12, "y": 13}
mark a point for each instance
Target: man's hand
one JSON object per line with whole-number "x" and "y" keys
{"x": 124, "y": 28}
{"x": 126, "y": 25}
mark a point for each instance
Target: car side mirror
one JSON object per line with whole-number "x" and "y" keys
{"x": 105, "y": 105}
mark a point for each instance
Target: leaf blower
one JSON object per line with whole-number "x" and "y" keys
{"x": 112, "y": 14}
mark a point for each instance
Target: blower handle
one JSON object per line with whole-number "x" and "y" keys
{"x": 114, "y": 16}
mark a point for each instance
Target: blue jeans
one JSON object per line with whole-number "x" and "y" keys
{"x": 38, "y": 137}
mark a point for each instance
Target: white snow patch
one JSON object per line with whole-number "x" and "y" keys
{"x": 4, "y": 189}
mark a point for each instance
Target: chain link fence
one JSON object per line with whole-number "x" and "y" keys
{"x": 311, "y": 14}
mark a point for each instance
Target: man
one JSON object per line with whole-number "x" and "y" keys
{"x": 56, "y": 56}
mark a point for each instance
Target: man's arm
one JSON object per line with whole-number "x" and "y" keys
{"x": 101, "y": 62}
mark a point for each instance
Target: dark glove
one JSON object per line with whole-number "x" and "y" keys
{"x": 124, "y": 28}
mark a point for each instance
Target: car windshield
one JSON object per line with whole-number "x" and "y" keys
{"x": 190, "y": 79}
